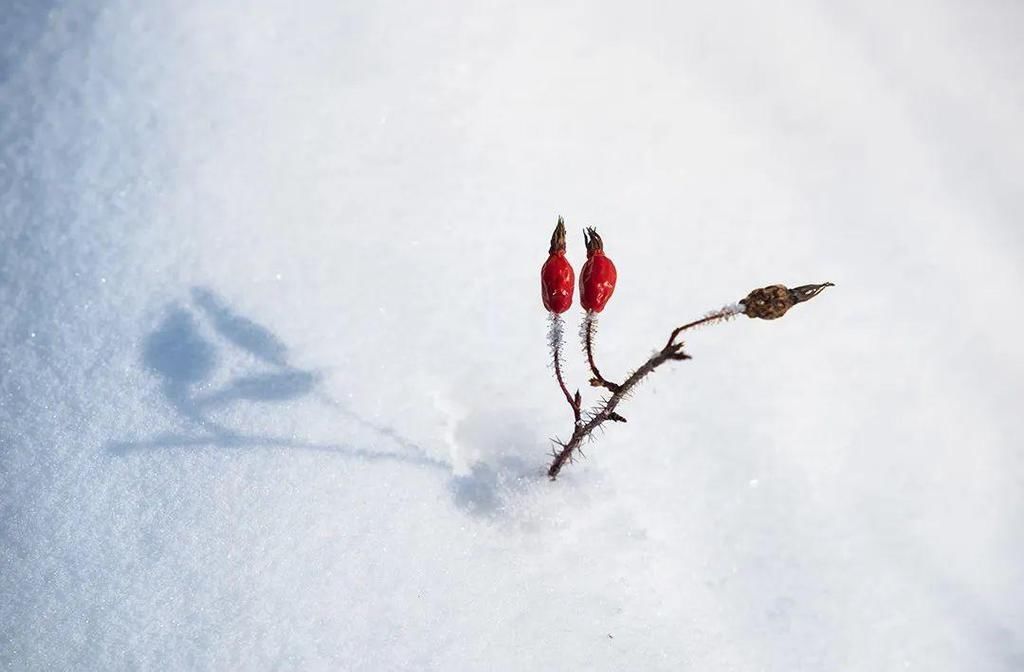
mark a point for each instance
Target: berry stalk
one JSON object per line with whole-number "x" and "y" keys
{"x": 555, "y": 331}
{"x": 588, "y": 332}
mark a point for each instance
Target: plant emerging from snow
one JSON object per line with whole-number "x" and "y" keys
{"x": 597, "y": 283}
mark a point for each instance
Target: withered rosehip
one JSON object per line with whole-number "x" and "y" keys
{"x": 556, "y": 275}
{"x": 597, "y": 278}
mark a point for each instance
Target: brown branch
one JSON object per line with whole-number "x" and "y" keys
{"x": 767, "y": 303}
{"x": 607, "y": 410}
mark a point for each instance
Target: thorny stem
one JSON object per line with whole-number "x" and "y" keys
{"x": 607, "y": 410}
{"x": 555, "y": 341}
{"x": 589, "y": 328}
{"x": 672, "y": 351}
{"x": 758, "y": 304}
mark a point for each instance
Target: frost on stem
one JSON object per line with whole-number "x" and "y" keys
{"x": 766, "y": 303}
{"x": 556, "y": 329}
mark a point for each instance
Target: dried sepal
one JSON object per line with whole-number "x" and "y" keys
{"x": 593, "y": 241}
{"x": 558, "y": 237}
{"x": 808, "y": 292}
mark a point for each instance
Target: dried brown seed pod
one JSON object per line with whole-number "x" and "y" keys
{"x": 772, "y": 302}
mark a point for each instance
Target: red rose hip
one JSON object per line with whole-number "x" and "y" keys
{"x": 556, "y": 275}
{"x": 597, "y": 277}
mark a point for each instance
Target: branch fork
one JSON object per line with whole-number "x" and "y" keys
{"x": 766, "y": 303}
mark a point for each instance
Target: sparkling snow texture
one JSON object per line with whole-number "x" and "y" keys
{"x": 274, "y": 386}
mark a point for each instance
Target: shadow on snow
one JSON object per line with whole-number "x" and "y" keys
{"x": 185, "y": 360}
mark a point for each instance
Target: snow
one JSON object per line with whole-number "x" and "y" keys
{"x": 274, "y": 386}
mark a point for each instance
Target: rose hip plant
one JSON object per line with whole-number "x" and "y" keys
{"x": 597, "y": 284}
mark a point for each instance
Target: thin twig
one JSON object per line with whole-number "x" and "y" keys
{"x": 672, "y": 351}
{"x": 606, "y": 411}
{"x": 766, "y": 303}
{"x": 723, "y": 314}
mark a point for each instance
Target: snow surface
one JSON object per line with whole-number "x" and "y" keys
{"x": 274, "y": 389}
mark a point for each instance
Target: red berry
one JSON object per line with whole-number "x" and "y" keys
{"x": 597, "y": 278}
{"x": 556, "y": 275}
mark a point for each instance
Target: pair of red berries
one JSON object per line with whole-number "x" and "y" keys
{"x": 597, "y": 278}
